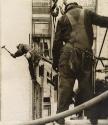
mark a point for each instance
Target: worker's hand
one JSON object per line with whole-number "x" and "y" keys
{"x": 55, "y": 67}
{"x": 13, "y": 55}
{"x": 28, "y": 55}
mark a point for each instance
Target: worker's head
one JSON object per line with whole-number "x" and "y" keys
{"x": 23, "y": 47}
{"x": 19, "y": 45}
{"x": 70, "y": 1}
{"x": 71, "y": 5}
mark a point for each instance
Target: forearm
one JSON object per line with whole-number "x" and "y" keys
{"x": 18, "y": 53}
{"x": 99, "y": 20}
{"x": 56, "y": 53}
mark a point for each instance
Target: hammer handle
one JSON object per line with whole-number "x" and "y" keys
{"x": 7, "y": 50}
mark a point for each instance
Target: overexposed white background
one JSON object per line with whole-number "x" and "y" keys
{"x": 16, "y": 94}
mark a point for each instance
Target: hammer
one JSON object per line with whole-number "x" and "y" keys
{"x": 3, "y": 47}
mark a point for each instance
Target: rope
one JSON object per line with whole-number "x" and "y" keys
{"x": 54, "y": 12}
{"x": 101, "y": 47}
{"x": 64, "y": 114}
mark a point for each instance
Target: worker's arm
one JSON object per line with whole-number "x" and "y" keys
{"x": 57, "y": 45}
{"x": 18, "y": 53}
{"x": 62, "y": 35}
{"x": 99, "y": 20}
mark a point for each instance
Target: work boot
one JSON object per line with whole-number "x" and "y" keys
{"x": 94, "y": 121}
{"x": 59, "y": 123}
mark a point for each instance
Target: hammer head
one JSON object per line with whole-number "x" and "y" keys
{"x": 3, "y": 47}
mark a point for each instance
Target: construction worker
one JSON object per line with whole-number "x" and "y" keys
{"x": 72, "y": 53}
{"x": 31, "y": 55}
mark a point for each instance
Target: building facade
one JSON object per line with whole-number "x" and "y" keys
{"x": 43, "y": 98}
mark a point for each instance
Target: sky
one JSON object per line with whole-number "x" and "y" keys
{"x": 15, "y": 83}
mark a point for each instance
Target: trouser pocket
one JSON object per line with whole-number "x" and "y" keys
{"x": 87, "y": 61}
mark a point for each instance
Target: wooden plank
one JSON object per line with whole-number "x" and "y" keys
{"x": 85, "y": 122}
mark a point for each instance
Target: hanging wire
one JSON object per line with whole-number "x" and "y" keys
{"x": 54, "y": 12}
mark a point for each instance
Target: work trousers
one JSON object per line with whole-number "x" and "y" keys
{"x": 73, "y": 65}
{"x": 33, "y": 62}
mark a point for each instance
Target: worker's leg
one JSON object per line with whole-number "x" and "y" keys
{"x": 86, "y": 89}
{"x": 65, "y": 89}
{"x": 31, "y": 70}
{"x": 67, "y": 79}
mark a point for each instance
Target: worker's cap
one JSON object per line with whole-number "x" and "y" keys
{"x": 70, "y": 1}
{"x": 70, "y": 5}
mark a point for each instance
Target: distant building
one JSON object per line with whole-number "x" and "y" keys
{"x": 43, "y": 98}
